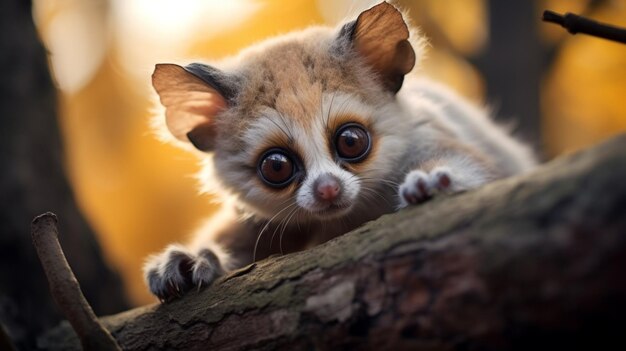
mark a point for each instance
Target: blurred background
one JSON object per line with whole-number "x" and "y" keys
{"x": 558, "y": 92}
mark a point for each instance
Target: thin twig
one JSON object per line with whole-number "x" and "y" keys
{"x": 579, "y": 24}
{"x": 65, "y": 288}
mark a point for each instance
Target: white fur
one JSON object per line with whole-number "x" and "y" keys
{"x": 427, "y": 140}
{"x": 472, "y": 125}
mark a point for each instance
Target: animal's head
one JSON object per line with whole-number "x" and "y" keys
{"x": 306, "y": 121}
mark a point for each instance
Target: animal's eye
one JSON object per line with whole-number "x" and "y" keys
{"x": 352, "y": 142}
{"x": 276, "y": 168}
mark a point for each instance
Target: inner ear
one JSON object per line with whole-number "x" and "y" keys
{"x": 380, "y": 36}
{"x": 192, "y": 97}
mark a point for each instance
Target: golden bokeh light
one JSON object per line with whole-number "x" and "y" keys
{"x": 583, "y": 100}
{"x": 139, "y": 194}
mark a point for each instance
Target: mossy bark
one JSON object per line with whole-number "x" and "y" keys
{"x": 531, "y": 262}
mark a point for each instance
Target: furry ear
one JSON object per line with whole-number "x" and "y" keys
{"x": 380, "y": 36}
{"x": 192, "y": 97}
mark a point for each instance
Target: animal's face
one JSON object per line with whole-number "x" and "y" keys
{"x": 319, "y": 166}
{"x": 303, "y": 125}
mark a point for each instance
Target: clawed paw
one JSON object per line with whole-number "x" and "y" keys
{"x": 420, "y": 186}
{"x": 176, "y": 270}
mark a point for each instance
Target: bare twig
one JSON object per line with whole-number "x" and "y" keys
{"x": 579, "y": 24}
{"x": 65, "y": 288}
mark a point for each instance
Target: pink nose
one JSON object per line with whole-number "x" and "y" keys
{"x": 327, "y": 187}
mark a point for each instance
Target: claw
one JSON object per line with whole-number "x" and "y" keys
{"x": 444, "y": 181}
{"x": 175, "y": 271}
{"x": 420, "y": 186}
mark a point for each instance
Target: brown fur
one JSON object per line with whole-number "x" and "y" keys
{"x": 294, "y": 93}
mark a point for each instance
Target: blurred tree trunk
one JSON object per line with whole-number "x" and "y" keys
{"x": 33, "y": 181}
{"x": 512, "y": 65}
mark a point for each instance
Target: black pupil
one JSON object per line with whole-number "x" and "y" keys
{"x": 277, "y": 165}
{"x": 350, "y": 139}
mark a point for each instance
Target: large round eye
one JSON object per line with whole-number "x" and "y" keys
{"x": 352, "y": 142}
{"x": 276, "y": 168}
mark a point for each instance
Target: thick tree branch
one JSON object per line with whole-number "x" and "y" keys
{"x": 533, "y": 262}
{"x": 64, "y": 286}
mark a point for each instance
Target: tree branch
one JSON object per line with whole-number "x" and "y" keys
{"x": 579, "y": 24}
{"x": 64, "y": 286}
{"x": 531, "y": 262}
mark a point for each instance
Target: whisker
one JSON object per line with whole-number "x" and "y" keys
{"x": 280, "y": 223}
{"x": 258, "y": 239}
{"x": 282, "y": 232}
{"x": 282, "y": 117}
{"x": 288, "y": 135}
{"x": 374, "y": 193}
{"x": 365, "y": 180}
{"x": 368, "y": 198}
{"x": 342, "y": 108}
{"x": 324, "y": 120}
{"x": 386, "y": 181}
{"x": 330, "y": 106}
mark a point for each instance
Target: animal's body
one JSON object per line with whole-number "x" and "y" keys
{"x": 309, "y": 135}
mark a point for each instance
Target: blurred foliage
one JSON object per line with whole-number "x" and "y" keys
{"x": 583, "y": 98}
{"x": 139, "y": 194}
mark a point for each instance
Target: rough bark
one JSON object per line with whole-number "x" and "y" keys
{"x": 32, "y": 181}
{"x": 533, "y": 262}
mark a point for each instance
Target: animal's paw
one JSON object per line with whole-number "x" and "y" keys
{"x": 176, "y": 270}
{"x": 420, "y": 186}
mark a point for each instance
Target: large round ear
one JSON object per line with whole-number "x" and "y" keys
{"x": 192, "y": 97}
{"x": 380, "y": 36}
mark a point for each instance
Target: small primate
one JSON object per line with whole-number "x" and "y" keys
{"x": 308, "y": 135}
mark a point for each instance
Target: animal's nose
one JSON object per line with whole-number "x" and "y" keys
{"x": 327, "y": 187}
